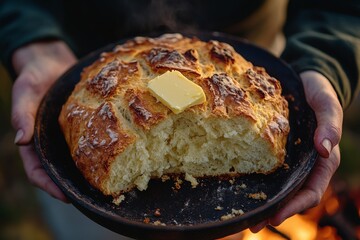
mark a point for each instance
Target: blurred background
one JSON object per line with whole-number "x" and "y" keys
{"x": 20, "y": 211}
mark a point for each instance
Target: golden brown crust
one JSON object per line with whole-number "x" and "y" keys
{"x": 96, "y": 136}
{"x": 226, "y": 97}
{"x": 111, "y": 103}
{"x": 222, "y": 53}
{"x": 111, "y": 75}
{"x": 163, "y": 59}
{"x": 263, "y": 84}
{"x": 144, "y": 109}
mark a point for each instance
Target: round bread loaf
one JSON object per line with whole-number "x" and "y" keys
{"x": 120, "y": 136}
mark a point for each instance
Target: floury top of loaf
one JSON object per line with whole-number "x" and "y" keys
{"x": 120, "y": 136}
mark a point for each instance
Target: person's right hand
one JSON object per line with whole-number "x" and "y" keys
{"x": 38, "y": 65}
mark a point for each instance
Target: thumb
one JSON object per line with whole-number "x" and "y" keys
{"x": 25, "y": 101}
{"x": 39, "y": 64}
{"x": 323, "y": 100}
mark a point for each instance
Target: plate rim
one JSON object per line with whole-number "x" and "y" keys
{"x": 85, "y": 206}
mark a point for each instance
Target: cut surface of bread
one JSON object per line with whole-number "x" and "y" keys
{"x": 120, "y": 136}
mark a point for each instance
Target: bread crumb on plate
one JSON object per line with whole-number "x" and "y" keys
{"x": 258, "y": 196}
{"x": 192, "y": 180}
{"x": 234, "y": 213}
{"x": 159, "y": 223}
{"x": 118, "y": 200}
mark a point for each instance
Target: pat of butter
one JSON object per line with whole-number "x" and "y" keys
{"x": 175, "y": 91}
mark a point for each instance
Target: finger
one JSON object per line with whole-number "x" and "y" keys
{"x": 23, "y": 109}
{"x": 329, "y": 117}
{"x": 323, "y": 100}
{"x": 259, "y": 226}
{"x": 312, "y": 190}
{"x": 25, "y": 102}
{"x": 304, "y": 199}
{"x": 37, "y": 175}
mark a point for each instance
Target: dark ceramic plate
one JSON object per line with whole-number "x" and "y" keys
{"x": 188, "y": 213}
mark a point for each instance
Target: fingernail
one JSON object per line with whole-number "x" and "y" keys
{"x": 327, "y": 145}
{"x": 18, "y": 136}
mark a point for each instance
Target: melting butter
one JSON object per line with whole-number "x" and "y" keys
{"x": 175, "y": 91}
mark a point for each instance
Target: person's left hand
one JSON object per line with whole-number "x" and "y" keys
{"x": 322, "y": 98}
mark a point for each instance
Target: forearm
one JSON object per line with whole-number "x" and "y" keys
{"x": 325, "y": 36}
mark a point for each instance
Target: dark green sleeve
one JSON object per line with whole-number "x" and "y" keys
{"x": 324, "y": 35}
{"x": 25, "y": 21}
